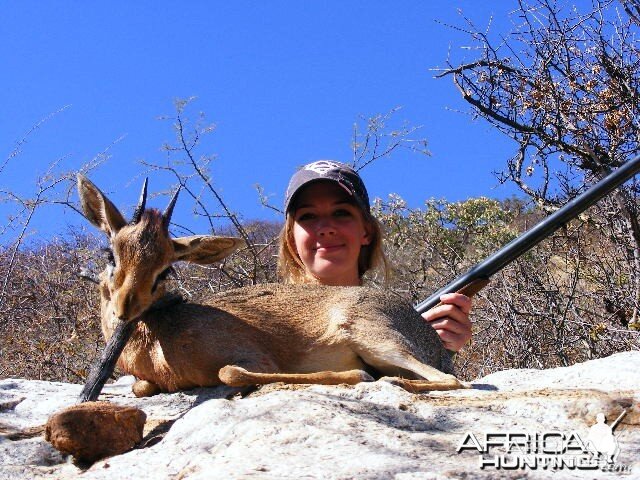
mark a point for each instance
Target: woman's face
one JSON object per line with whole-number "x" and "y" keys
{"x": 329, "y": 231}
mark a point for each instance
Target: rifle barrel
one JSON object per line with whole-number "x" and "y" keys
{"x": 529, "y": 239}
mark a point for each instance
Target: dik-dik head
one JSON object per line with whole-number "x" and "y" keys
{"x": 143, "y": 250}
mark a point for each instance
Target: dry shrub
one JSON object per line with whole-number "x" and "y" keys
{"x": 565, "y": 301}
{"x": 50, "y": 320}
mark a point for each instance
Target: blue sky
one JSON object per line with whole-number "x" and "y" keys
{"x": 284, "y": 82}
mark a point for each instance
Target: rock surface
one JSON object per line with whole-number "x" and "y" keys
{"x": 371, "y": 430}
{"x": 95, "y": 430}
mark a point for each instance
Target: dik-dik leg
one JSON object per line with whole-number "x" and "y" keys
{"x": 394, "y": 357}
{"x": 432, "y": 378}
{"x": 236, "y": 376}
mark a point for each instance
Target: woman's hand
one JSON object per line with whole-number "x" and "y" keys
{"x": 451, "y": 320}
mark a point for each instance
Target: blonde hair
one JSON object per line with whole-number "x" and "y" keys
{"x": 371, "y": 258}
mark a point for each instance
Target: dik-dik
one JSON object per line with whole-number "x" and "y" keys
{"x": 252, "y": 335}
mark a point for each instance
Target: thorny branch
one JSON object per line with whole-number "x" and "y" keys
{"x": 564, "y": 84}
{"x": 377, "y": 141}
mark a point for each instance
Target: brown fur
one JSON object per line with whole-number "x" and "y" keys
{"x": 252, "y": 335}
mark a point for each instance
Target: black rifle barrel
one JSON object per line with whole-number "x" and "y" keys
{"x": 526, "y": 241}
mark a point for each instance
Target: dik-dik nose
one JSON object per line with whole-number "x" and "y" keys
{"x": 126, "y": 306}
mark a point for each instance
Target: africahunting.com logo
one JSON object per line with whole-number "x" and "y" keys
{"x": 548, "y": 450}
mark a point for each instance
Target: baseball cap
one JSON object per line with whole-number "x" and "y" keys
{"x": 342, "y": 174}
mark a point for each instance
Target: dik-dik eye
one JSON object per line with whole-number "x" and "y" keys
{"x": 107, "y": 254}
{"x": 162, "y": 277}
{"x": 111, "y": 261}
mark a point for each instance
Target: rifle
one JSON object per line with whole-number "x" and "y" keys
{"x": 478, "y": 276}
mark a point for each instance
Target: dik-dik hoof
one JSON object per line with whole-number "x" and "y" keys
{"x": 365, "y": 377}
{"x": 144, "y": 388}
{"x": 234, "y": 376}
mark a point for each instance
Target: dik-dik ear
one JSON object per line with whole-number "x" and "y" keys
{"x": 98, "y": 208}
{"x": 204, "y": 249}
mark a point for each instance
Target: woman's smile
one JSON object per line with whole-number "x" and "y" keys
{"x": 329, "y": 248}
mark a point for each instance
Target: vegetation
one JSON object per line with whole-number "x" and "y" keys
{"x": 563, "y": 85}
{"x": 555, "y": 306}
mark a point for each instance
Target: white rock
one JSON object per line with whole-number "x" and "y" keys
{"x": 372, "y": 430}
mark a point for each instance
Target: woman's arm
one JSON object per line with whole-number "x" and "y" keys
{"x": 451, "y": 320}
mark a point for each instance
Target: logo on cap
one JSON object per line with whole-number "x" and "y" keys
{"x": 321, "y": 167}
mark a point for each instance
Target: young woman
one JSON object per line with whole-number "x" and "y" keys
{"x": 331, "y": 238}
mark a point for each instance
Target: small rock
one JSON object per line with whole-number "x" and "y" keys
{"x": 94, "y": 430}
